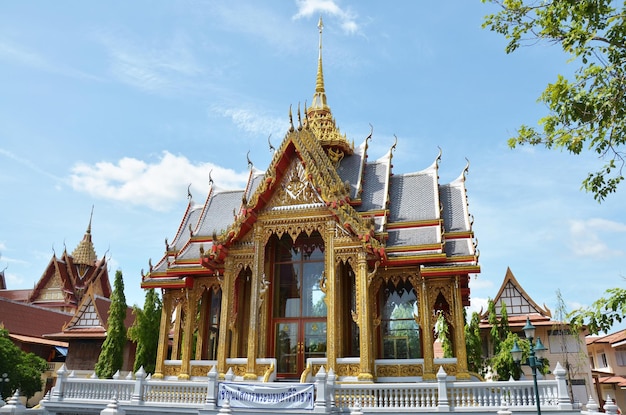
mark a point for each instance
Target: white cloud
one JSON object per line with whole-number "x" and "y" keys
{"x": 589, "y": 237}
{"x": 157, "y": 185}
{"x": 308, "y": 8}
{"x": 251, "y": 121}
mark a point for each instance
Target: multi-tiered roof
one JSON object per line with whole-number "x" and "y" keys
{"x": 405, "y": 219}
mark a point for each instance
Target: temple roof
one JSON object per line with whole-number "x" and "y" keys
{"x": 66, "y": 279}
{"x": 30, "y": 320}
{"x": 407, "y": 219}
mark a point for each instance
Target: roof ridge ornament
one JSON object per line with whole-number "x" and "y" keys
{"x": 299, "y": 118}
{"x": 272, "y": 148}
{"x": 291, "y": 129}
{"x": 369, "y": 137}
{"x": 466, "y": 169}
{"x": 210, "y": 178}
{"x": 250, "y": 164}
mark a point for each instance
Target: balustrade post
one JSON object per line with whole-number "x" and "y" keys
{"x": 609, "y": 406}
{"x": 561, "y": 385}
{"x": 230, "y": 375}
{"x": 330, "y": 389}
{"x": 14, "y": 405}
{"x": 321, "y": 404}
{"x": 59, "y": 387}
{"x": 211, "y": 394}
{"x": 592, "y": 406}
{"x": 443, "y": 405}
{"x": 137, "y": 396}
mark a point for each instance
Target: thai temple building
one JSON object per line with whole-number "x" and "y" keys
{"x": 66, "y": 279}
{"x": 327, "y": 258}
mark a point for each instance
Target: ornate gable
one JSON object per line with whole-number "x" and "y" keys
{"x": 517, "y": 301}
{"x": 295, "y": 188}
{"x": 87, "y": 316}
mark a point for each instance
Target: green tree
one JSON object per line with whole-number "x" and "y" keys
{"x": 588, "y": 110}
{"x": 144, "y": 331}
{"x": 603, "y": 313}
{"x": 474, "y": 346}
{"x": 499, "y": 325}
{"x": 443, "y": 334}
{"x": 502, "y": 364}
{"x": 111, "y": 356}
{"x": 23, "y": 369}
{"x": 30, "y": 369}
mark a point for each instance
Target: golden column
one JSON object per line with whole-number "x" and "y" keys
{"x": 332, "y": 305}
{"x": 177, "y": 329}
{"x": 191, "y": 305}
{"x": 253, "y": 332}
{"x": 164, "y": 331}
{"x": 202, "y": 322}
{"x": 227, "y": 283}
{"x": 427, "y": 331}
{"x": 460, "y": 349}
{"x": 365, "y": 320}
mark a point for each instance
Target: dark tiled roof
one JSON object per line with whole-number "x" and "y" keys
{"x": 413, "y": 236}
{"x": 16, "y": 295}
{"x": 375, "y": 179}
{"x": 413, "y": 197}
{"x": 350, "y": 170}
{"x": 29, "y": 320}
{"x": 453, "y": 201}
{"x": 219, "y": 212}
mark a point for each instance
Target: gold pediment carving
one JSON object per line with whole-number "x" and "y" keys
{"x": 295, "y": 188}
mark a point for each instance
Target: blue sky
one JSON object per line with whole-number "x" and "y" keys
{"x": 121, "y": 105}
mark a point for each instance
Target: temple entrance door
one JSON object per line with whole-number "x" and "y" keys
{"x": 296, "y": 342}
{"x": 299, "y": 310}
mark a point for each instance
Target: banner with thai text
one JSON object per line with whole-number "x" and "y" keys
{"x": 264, "y": 396}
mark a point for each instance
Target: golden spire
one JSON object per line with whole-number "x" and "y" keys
{"x": 319, "y": 98}
{"x": 85, "y": 253}
{"x": 319, "y": 117}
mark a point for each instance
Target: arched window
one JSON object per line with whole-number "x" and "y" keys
{"x": 400, "y": 334}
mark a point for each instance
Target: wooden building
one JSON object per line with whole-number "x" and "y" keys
{"x": 324, "y": 259}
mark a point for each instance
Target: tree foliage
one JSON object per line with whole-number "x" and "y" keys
{"x": 23, "y": 369}
{"x": 144, "y": 331}
{"x": 502, "y": 363}
{"x": 111, "y": 356}
{"x": 443, "y": 334}
{"x": 499, "y": 325}
{"x": 588, "y": 110}
{"x": 603, "y": 313}
{"x": 473, "y": 345}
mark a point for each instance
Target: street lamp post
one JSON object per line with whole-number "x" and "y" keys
{"x": 534, "y": 360}
{"x": 4, "y": 378}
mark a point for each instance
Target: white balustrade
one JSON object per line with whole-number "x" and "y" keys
{"x": 98, "y": 389}
{"x": 386, "y": 395}
{"x": 187, "y": 392}
{"x": 444, "y": 395}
